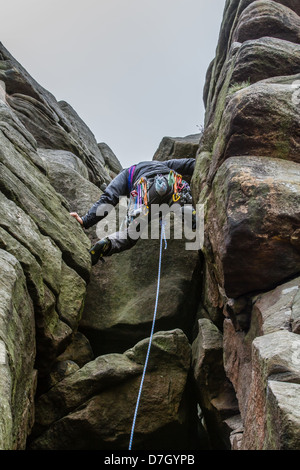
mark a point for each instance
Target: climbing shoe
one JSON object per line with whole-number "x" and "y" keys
{"x": 99, "y": 250}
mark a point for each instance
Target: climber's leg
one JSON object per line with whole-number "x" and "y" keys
{"x": 114, "y": 243}
{"x": 189, "y": 216}
{"x": 100, "y": 249}
{"x": 120, "y": 241}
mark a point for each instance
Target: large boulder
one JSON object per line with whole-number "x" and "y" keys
{"x": 278, "y": 309}
{"x": 231, "y": 17}
{"x": 271, "y": 103}
{"x": 262, "y": 58}
{"x": 247, "y": 177}
{"x": 264, "y": 18}
{"x": 37, "y": 229}
{"x": 93, "y": 408}
{"x": 120, "y": 301}
{"x": 272, "y": 419}
{"x": 281, "y": 137}
{"x": 265, "y": 373}
{"x": 69, "y": 177}
{"x": 251, "y": 220}
{"x": 268, "y": 351}
{"x": 177, "y": 147}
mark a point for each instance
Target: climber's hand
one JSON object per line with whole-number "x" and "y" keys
{"x": 76, "y": 216}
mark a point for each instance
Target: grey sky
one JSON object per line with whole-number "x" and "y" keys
{"x": 134, "y": 70}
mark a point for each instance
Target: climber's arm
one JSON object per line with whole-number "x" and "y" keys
{"x": 77, "y": 217}
{"x": 184, "y": 166}
{"x": 108, "y": 200}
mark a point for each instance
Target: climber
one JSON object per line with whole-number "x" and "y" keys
{"x": 145, "y": 184}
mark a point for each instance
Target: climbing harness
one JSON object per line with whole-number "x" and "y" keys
{"x": 139, "y": 196}
{"x": 163, "y": 235}
{"x": 161, "y": 188}
{"x": 164, "y": 186}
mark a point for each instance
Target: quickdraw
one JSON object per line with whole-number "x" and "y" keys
{"x": 139, "y": 200}
{"x": 175, "y": 182}
{"x": 144, "y": 188}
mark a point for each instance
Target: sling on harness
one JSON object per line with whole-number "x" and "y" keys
{"x": 163, "y": 235}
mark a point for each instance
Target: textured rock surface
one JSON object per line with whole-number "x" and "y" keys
{"x": 247, "y": 176}
{"x": 111, "y": 161}
{"x": 71, "y": 379}
{"x": 50, "y": 164}
{"x": 127, "y": 284}
{"x": 177, "y": 147}
{"x": 232, "y": 13}
{"x": 253, "y": 212}
{"x": 215, "y": 392}
{"x": 265, "y": 18}
{"x": 45, "y": 264}
{"x": 37, "y": 229}
{"x": 265, "y": 57}
{"x": 82, "y": 412}
{"x": 283, "y": 416}
{"x": 17, "y": 374}
{"x": 278, "y": 309}
{"x": 275, "y": 357}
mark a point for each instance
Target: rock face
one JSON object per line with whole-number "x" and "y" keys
{"x": 52, "y": 125}
{"x": 82, "y": 412}
{"x": 253, "y": 215}
{"x": 215, "y": 392}
{"x": 18, "y": 378}
{"x": 224, "y": 364}
{"x": 75, "y": 359}
{"x": 127, "y": 285}
{"x": 44, "y": 255}
{"x": 247, "y": 176}
{"x": 111, "y": 161}
{"x": 177, "y": 147}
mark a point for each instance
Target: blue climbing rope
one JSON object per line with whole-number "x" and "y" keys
{"x": 163, "y": 236}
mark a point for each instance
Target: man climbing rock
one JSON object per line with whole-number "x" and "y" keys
{"x": 145, "y": 184}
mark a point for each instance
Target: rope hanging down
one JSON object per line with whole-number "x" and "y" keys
{"x": 163, "y": 235}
